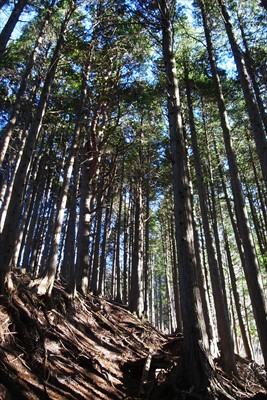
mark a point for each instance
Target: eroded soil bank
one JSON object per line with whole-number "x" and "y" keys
{"x": 93, "y": 349}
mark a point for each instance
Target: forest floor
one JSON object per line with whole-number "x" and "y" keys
{"x": 93, "y": 349}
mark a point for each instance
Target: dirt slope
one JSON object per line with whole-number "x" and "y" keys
{"x": 87, "y": 349}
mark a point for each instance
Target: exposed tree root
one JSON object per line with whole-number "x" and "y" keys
{"x": 89, "y": 348}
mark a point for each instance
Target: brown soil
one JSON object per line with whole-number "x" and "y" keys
{"x": 92, "y": 349}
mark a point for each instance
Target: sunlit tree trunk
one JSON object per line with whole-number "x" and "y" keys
{"x": 106, "y": 234}
{"x": 31, "y": 206}
{"x": 135, "y": 296}
{"x": 46, "y": 285}
{"x": 118, "y": 244}
{"x": 8, "y": 130}
{"x": 96, "y": 248}
{"x": 8, "y": 237}
{"x": 68, "y": 267}
{"x": 125, "y": 291}
{"x": 146, "y": 242}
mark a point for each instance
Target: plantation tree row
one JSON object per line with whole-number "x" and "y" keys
{"x": 134, "y": 164}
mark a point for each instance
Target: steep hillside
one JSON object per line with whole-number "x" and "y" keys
{"x": 90, "y": 349}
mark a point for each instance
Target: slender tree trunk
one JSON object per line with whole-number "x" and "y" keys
{"x": 170, "y": 300}
{"x": 146, "y": 244}
{"x": 8, "y": 130}
{"x": 105, "y": 238}
{"x": 253, "y": 111}
{"x": 195, "y": 366}
{"x": 135, "y": 298}
{"x": 46, "y": 285}
{"x": 176, "y": 290}
{"x": 236, "y": 298}
{"x": 251, "y": 68}
{"x": 251, "y": 267}
{"x": 7, "y": 241}
{"x": 68, "y": 269}
{"x": 9, "y": 188}
{"x": 125, "y": 292}
{"x": 261, "y": 192}
{"x": 32, "y": 204}
{"x": 217, "y": 280}
{"x": 256, "y": 218}
{"x": 85, "y": 218}
{"x": 96, "y": 262}
{"x": 118, "y": 244}
{"x": 10, "y": 24}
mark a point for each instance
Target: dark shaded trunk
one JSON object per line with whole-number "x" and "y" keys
{"x": 135, "y": 296}
{"x": 10, "y": 24}
{"x": 252, "y": 108}
{"x": 217, "y": 280}
{"x": 194, "y": 362}
{"x": 251, "y": 267}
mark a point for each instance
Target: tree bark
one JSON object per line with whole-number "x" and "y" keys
{"x": 7, "y": 241}
{"x": 8, "y": 130}
{"x": 194, "y": 362}
{"x": 251, "y": 267}
{"x": 217, "y": 280}
{"x": 252, "y": 108}
{"x": 135, "y": 296}
{"x": 10, "y": 25}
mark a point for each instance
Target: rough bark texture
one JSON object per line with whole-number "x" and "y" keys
{"x": 220, "y": 301}
{"x": 135, "y": 296}
{"x": 197, "y": 370}
{"x": 251, "y": 267}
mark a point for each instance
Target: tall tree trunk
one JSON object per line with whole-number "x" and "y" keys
{"x": 7, "y": 241}
{"x": 236, "y": 297}
{"x": 179, "y": 322}
{"x": 68, "y": 268}
{"x": 88, "y": 170}
{"x": 8, "y": 130}
{"x": 125, "y": 291}
{"x": 135, "y": 297}
{"x": 96, "y": 248}
{"x": 46, "y": 285}
{"x": 194, "y": 362}
{"x": 146, "y": 244}
{"x": 118, "y": 244}
{"x": 10, "y": 24}
{"x": 252, "y": 108}
{"x": 217, "y": 280}
{"x": 251, "y": 70}
{"x": 251, "y": 267}
{"x": 106, "y": 234}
